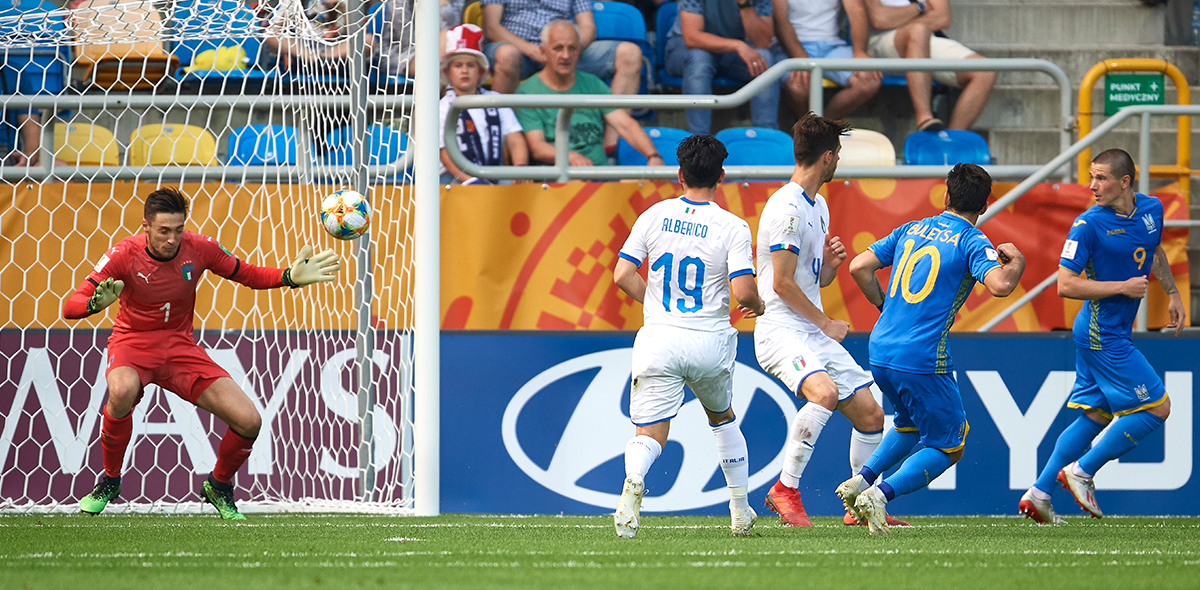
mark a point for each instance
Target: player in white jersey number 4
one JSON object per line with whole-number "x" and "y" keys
{"x": 794, "y": 340}
{"x": 696, "y": 252}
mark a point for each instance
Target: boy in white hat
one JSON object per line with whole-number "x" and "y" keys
{"x": 482, "y": 133}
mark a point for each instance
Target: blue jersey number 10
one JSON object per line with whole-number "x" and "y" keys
{"x": 695, "y": 292}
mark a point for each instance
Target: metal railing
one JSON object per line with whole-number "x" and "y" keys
{"x": 562, "y": 172}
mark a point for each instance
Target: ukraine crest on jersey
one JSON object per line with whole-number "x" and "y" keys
{"x": 792, "y": 221}
{"x": 935, "y": 263}
{"x": 1109, "y": 246}
{"x": 694, "y": 249}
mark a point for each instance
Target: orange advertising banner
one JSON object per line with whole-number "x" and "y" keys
{"x": 540, "y": 257}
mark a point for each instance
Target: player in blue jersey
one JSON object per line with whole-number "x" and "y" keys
{"x": 697, "y": 253}
{"x": 935, "y": 263}
{"x": 1107, "y": 258}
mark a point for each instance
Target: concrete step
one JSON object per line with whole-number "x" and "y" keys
{"x": 1077, "y": 60}
{"x": 1038, "y": 146}
{"x": 1062, "y": 23}
{"x": 1030, "y": 106}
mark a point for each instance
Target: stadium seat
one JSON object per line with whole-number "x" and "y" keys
{"x": 385, "y": 145}
{"x": 757, "y": 146}
{"x": 950, "y": 146}
{"x": 120, "y": 48}
{"x": 81, "y": 144}
{"x": 663, "y": 21}
{"x": 27, "y": 70}
{"x": 473, "y": 14}
{"x": 666, "y": 141}
{"x": 618, "y": 21}
{"x": 863, "y": 147}
{"x": 262, "y": 145}
{"x": 204, "y": 25}
{"x": 171, "y": 144}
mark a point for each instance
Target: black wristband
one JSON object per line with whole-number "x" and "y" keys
{"x": 287, "y": 279}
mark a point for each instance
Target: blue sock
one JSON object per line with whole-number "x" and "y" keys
{"x": 1125, "y": 434}
{"x": 894, "y": 448}
{"x": 1070, "y": 446}
{"x": 916, "y": 472}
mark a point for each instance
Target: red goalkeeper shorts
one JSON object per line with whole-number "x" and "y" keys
{"x": 172, "y": 360}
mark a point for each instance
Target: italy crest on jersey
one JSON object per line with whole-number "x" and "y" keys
{"x": 187, "y": 271}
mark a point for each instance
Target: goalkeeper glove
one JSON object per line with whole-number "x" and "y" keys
{"x": 308, "y": 269}
{"x": 105, "y": 295}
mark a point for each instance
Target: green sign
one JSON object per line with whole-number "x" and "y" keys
{"x": 1122, "y": 90}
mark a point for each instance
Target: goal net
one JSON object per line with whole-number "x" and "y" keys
{"x": 256, "y": 112}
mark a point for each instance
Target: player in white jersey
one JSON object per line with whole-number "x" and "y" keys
{"x": 794, "y": 340}
{"x": 696, "y": 251}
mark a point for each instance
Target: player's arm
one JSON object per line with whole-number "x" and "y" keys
{"x": 1161, "y": 268}
{"x": 1001, "y": 282}
{"x": 626, "y": 277}
{"x": 783, "y": 262}
{"x": 92, "y": 297}
{"x": 1073, "y": 285}
{"x": 305, "y": 270}
{"x": 745, "y": 290}
{"x": 863, "y": 268}
{"x": 835, "y": 255}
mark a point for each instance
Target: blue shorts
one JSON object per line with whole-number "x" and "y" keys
{"x": 597, "y": 59}
{"x": 1115, "y": 381}
{"x": 837, "y": 49}
{"x": 928, "y": 404}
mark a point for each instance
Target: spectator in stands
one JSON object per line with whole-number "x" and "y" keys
{"x": 561, "y": 47}
{"x": 299, "y": 53}
{"x": 726, "y": 38}
{"x": 901, "y": 28}
{"x": 27, "y": 72}
{"x": 483, "y": 134}
{"x": 809, "y": 28}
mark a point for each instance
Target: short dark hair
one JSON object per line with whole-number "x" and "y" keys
{"x": 165, "y": 200}
{"x": 701, "y": 158}
{"x": 968, "y": 186}
{"x": 813, "y": 135}
{"x": 1119, "y": 163}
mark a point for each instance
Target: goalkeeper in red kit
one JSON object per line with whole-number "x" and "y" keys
{"x": 154, "y": 275}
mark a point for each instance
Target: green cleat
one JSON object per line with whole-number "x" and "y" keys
{"x": 222, "y": 501}
{"x": 105, "y": 491}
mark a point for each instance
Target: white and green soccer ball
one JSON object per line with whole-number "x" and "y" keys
{"x": 345, "y": 215}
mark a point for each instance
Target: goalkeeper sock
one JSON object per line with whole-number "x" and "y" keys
{"x": 862, "y": 446}
{"x": 640, "y": 453}
{"x": 234, "y": 451}
{"x": 731, "y": 451}
{"x": 114, "y": 438}
{"x": 895, "y": 447}
{"x": 1125, "y": 434}
{"x": 920, "y": 469}
{"x": 1070, "y": 446}
{"x": 802, "y": 435}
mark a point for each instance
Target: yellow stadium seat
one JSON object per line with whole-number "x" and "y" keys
{"x": 120, "y": 48}
{"x": 473, "y": 14}
{"x": 863, "y": 147}
{"x": 81, "y": 144}
{"x": 827, "y": 83}
{"x": 171, "y": 144}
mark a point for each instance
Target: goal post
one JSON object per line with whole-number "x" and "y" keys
{"x": 195, "y": 94}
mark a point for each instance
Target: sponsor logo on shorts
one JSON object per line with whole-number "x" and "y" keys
{"x": 1142, "y": 393}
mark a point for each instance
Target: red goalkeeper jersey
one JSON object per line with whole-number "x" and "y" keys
{"x": 161, "y": 294}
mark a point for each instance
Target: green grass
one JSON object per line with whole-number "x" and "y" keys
{"x": 147, "y": 552}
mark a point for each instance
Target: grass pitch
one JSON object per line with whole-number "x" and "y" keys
{"x": 459, "y": 551}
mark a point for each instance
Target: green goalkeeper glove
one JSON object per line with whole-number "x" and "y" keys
{"x": 106, "y": 294}
{"x": 308, "y": 269}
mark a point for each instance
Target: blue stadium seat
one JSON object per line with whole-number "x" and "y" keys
{"x": 205, "y": 25}
{"x": 663, "y": 21}
{"x": 384, "y": 144}
{"x": 757, "y": 146}
{"x": 262, "y": 145}
{"x": 666, "y": 141}
{"x": 950, "y": 146}
{"x": 30, "y": 71}
{"x": 617, "y": 21}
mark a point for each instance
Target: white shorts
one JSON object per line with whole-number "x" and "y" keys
{"x": 665, "y": 358}
{"x": 884, "y": 45}
{"x": 792, "y": 355}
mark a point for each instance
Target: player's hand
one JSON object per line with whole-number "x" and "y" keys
{"x": 105, "y": 295}
{"x": 1007, "y": 252}
{"x": 754, "y": 60}
{"x": 835, "y": 251}
{"x": 750, "y": 312}
{"x": 307, "y": 269}
{"x": 1135, "y": 287}
{"x": 837, "y": 329}
{"x": 1175, "y": 310}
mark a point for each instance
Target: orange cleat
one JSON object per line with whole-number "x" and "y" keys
{"x": 849, "y": 520}
{"x": 786, "y": 502}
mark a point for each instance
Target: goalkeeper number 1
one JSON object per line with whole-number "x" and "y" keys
{"x": 154, "y": 274}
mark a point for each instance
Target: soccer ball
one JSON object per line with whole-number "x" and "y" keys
{"x": 345, "y": 215}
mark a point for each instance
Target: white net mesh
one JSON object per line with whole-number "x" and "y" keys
{"x": 256, "y": 113}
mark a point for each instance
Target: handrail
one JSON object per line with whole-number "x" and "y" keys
{"x": 562, "y": 172}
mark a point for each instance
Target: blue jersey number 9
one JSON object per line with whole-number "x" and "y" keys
{"x": 695, "y": 292}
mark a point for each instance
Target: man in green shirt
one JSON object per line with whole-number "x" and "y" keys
{"x": 561, "y": 48}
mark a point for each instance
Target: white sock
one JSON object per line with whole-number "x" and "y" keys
{"x": 861, "y": 447}
{"x": 731, "y": 451}
{"x": 802, "y": 435}
{"x": 640, "y": 453}
{"x": 1038, "y": 494}
{"x": 1077, "y": 470}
